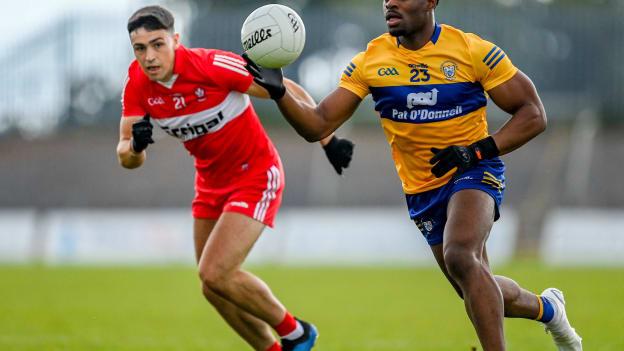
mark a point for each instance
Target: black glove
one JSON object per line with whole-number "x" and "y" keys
{"x": 271, "y": 79}
{"x": 462, "y": 157}
{"x": 142, "y": 134}
{"x": 339, "y": 152}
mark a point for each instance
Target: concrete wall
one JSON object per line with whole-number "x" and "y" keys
{"x": 80, "y": 169}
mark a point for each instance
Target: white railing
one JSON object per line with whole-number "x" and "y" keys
{"x": 311, "y": 236}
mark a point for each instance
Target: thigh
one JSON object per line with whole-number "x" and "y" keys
{"x": 470, "y": 215}
{"x": 230, "y": 241}
{"x": 201, "y": 232}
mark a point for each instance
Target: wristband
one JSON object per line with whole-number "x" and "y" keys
{"x": 486, "y": 148}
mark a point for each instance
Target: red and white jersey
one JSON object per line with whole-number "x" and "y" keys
{"x": 204, "y": 106}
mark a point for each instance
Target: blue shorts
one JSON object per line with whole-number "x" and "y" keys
{"x": 428, "y": 209}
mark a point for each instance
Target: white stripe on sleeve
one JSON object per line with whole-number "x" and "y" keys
{"x": 230, "y": 59}
{"x": 231, "y": 68}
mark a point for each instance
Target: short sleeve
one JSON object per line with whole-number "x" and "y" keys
{"x": 130, "y": 99}
{"x": 492, "y": 65}
{"x": 227, "y": 70}
{"x": 353, "y": 77}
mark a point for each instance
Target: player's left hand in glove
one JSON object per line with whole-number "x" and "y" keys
{"x": 339, "y": 152}
{"x": 142, "y": 134}
{"x": 462, "y": 157}
{"x": 271, "y": 79}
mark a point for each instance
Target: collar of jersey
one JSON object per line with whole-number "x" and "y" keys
{"x": 434, "y": 40}
{"x": 169, "y": 84}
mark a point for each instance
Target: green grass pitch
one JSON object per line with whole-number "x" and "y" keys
{"x": 360, "y": 309}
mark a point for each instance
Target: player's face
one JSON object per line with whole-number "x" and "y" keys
{"x": 155, "y": 52}
{"x": 407, "y": 17}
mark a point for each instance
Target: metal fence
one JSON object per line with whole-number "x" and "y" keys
{"x": 67, "y": 73}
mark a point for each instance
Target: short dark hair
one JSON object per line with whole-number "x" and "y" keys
{"x": 151, "y": 18}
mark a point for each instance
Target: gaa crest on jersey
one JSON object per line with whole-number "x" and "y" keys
{"x": 200, "y": 93}
{"x": 153, "y": 101}
{"x": 449, "y": 68}
{"x": 387, "y": 71}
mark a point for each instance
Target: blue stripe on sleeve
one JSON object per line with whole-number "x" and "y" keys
{"x": 490, "y": 53}
{"x": 497, "y": 61}
{"x": 347, "y": 73}
{"x": 494, "y": 57}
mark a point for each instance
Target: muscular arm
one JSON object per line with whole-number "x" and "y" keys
{"x": 125, "y": 154}
{"x": 316, "y": 122}
{"x": 304, "y": 102}
{"x": 519, "y": 98}
{"x": 304, "y": 97}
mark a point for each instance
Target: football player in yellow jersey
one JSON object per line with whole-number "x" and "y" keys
{"x": 430, "y": 85}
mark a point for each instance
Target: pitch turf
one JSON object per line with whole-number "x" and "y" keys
{"x": 355, "y": 308}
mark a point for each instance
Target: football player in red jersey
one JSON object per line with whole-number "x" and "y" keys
{"x": 201, "y": 96}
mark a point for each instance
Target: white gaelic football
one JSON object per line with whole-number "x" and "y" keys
{"x": 273, "y": 36}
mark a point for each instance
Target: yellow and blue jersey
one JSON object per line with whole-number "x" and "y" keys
{"x": 431, "y": 97}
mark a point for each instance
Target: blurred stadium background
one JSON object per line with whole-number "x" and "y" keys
{"x": 66, "y": 205}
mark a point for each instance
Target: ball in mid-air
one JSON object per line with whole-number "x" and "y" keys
{"x": 273, "y": 36}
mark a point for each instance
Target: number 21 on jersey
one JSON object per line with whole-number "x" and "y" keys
{"x": 179, "y": 102}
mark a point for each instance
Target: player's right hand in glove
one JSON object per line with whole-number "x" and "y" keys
{"x": 271, "y": 79}
{"x": 142, "y": 134}
{"x": 339, "y": 152}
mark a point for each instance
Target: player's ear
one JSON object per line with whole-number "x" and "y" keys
{"x": 176, "y": 40}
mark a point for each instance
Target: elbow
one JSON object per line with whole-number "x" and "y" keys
{"x": 315, "y": 136}
{"x": 312, "y": 137}
{"x": 127, "y": 162}
{"x": 541, "y": 122}
{"x": 128, "y": 165}
{"x": 312, "y": 134}
{"x": 538, "y": 120}
{"x": 126, "y": 158}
